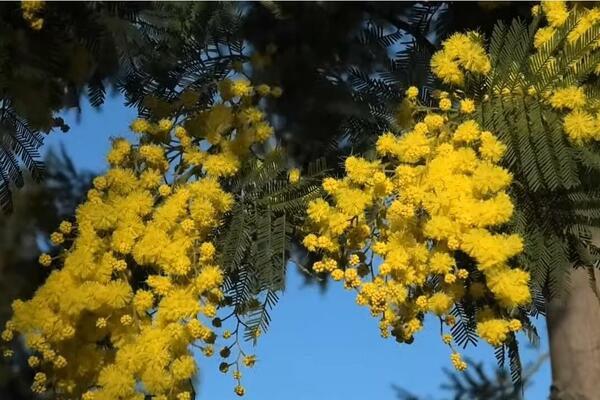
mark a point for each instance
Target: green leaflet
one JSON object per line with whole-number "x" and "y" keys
{"x": 257, "y": 239}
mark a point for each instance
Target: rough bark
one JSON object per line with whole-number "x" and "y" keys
{"x": 574, "y": 334}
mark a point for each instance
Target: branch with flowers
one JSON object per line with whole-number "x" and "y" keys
{"x": 452, "y": 216}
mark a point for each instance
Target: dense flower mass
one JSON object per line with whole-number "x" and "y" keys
{"x": 139, "y": 272}
{"x": 423, "y": 226}
{"x": 418, "y": 229}
{"x": 460, "y": 53}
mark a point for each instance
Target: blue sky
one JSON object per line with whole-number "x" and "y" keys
{"x": 320, "y": 346}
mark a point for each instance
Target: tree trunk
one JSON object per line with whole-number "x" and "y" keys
{"x": 574, "y": 334}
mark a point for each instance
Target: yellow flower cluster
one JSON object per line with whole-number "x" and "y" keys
{"x": 556, "y": 12}
{"x": 294, "y": 176}
{"x": 460, "y": 53}
{"x": 31, "y": 10}
{"x": 581, "y": 121}
{"x": 418, "y": 229}
{"x": 117, "y": 317}
{"x": 495, "y": 331}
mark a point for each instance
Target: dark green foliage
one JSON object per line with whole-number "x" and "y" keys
{"x": 18, "y": 143}
{"x": 463, "y": 331}
{"x": 256, "y": 242}
{"x": 343, "y": 67}
{"x": 337, "y": 96}
{"x": 344, "y": 80}
{"x": 145, "y": 50}
{"x": 182, "y": 46}
{"x": 43, "y": 72}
